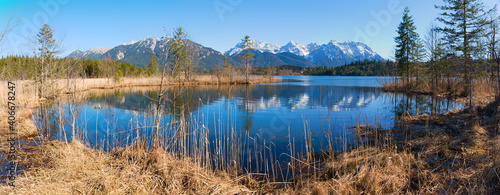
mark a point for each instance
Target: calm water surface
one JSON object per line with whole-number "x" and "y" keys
{"x": 255, "y": 117}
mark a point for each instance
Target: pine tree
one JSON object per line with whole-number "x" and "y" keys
{"x": 405, "y": 41}
{"x": 228, "y": 69}
{"x": 246, "y": 56}
{"x": 152, "y": 65}
{"x": 45, "y": 53}
{"x": 464, "y": 22}
{"x": 178, "y": 52}
{"x": 268, "y": 71}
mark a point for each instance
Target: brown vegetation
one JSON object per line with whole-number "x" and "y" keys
{"x": 75, "y": 169}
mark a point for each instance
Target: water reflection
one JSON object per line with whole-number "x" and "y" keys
{"x": 248, "y": 98}
{"x": 239, "y": 123}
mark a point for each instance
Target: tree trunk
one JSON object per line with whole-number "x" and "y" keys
{"x": 498, "y": 76}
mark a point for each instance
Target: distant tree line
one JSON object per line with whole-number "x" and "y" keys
{"x": 357, "y": 68}
{"x": 281, "y": 70}
{"x": 25, "y": 67}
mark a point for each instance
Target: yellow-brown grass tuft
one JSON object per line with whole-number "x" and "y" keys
{"x": 361, "y": 171}
{"x": 75, "y": 169}
{"x": 24, "y": 126}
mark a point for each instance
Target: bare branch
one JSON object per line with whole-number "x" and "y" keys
{"x": 11, "y": 24}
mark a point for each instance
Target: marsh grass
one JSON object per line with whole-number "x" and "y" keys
{"x": 73, "y": 168}
{"x": 456, "y": 152}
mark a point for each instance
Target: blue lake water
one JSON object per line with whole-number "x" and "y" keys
{"x": 245, "y": 122}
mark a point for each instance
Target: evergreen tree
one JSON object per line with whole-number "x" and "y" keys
{"x": 406, "y": 40}
{"x": 464, "y": 22}
{"x": 152, "y": 65}
{"x": 246, "y": 56}
{"x": 228, "y": 69}
{"x": 268, "y": 71}
{"x": 45, "y": 53}
{"x": 178, "y": 52}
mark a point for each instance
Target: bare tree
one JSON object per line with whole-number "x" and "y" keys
{"x": 434, "y": 49}
{"x": 11, "y": 24}
{"x": 191, "y": 60}
{"x": 169, "y": 70}
{"x": 491, "y": 34}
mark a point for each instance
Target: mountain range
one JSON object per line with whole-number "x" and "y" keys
{"x": 331, "y": 54}
{"x": 138, "y": 53}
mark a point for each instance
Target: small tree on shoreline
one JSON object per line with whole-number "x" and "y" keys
{"x": 246, "y": 56}
{"x": 228, "y": 69}
{"x": 44, "y": 53}
{"x": 152, "y": 65}
{"x": 178, "y": 54}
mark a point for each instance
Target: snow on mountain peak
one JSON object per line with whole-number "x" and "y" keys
{"x": 295, "y": 48}
{"x": 264, "y": 47}
{"x": 91, "y": 53}
{"x": 314, "y": 51}
{"x": 130, "y": 43}
{"x": 256, "y": 45}
{"x": 99, "y": 50}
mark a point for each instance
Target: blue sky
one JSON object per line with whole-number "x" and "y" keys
{"x": 220, "y": 24}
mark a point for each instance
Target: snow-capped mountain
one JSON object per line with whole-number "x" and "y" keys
{"x": 138, "y": 53}
{"x": 91, "y": 53}
{"x": 332, "y": 54}
{"x": 295, "y": 48}
{"x": 336, "y": 53}
{"x": 256, "y": 45}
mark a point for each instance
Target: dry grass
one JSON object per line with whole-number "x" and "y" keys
{"x": 24, "y": 126}
{"x": 360, "y": 171}
{"x": 25, "y": 94}
{"x": 75, "y": 169}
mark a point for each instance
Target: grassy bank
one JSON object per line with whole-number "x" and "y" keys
{"x": 75, "y": 169}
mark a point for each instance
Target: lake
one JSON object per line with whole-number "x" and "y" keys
{"x": 247, "y": 126}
